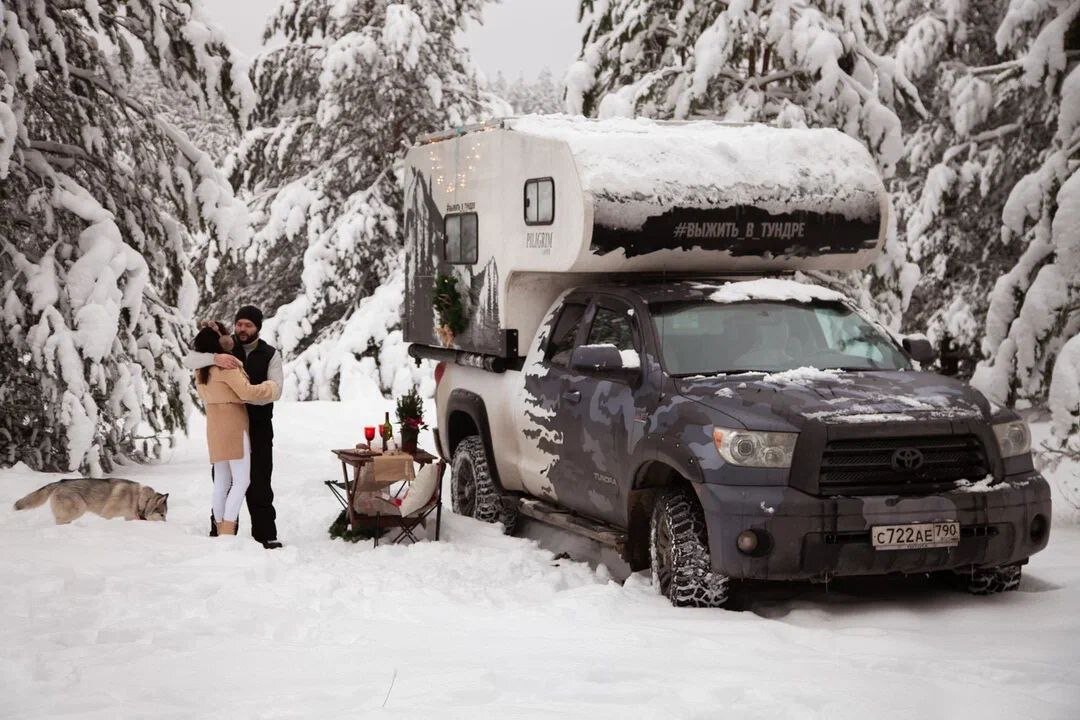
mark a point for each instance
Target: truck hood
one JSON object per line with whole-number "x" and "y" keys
{"x": 792, "y": 399}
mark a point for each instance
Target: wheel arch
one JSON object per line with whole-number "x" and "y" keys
{"x": 466, "y": 414}
{"x": 650, "y": 480}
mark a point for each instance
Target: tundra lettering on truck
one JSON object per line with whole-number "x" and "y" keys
{"x": 663, "y": 383}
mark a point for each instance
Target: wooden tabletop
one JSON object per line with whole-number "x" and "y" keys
{"x": 356, "y": 453}
{"x": 361, "y": 455}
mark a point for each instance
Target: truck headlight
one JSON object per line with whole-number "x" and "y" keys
{"x": 1013, "y": 438}
{"x": 751, "y": 448}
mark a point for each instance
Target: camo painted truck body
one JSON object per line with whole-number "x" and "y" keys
{"x": 640, "y": 344}
{"x": 599, "y": 443}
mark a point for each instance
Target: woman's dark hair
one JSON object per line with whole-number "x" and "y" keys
{"x": 207, "y": 341}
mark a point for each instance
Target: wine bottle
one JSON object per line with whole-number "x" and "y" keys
{"x": 387, "y": 432}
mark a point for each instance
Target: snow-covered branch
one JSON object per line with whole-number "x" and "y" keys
{"x": 101, "y": 202}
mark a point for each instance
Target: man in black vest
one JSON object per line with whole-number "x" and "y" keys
{"x": 261, "y": 362}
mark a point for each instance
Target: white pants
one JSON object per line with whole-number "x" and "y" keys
{"x": 231, "y": 480}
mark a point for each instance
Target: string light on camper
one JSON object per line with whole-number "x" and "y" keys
{"x": 472, "y": 157}
{"x": 436, "y": 167}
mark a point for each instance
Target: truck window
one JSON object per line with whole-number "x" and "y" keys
{"x": 561, "y": 344}
{"x": 848, "y": 332}
{"x": 460, "y": 244}
{"x": 540, "y": 201}
{"x": 769, "y": 336}
{"x": 614, "y": 327}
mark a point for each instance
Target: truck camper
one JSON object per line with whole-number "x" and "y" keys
{"x": 629, "y": 350}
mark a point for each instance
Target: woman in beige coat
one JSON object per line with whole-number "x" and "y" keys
{"x": 225, "y": 393}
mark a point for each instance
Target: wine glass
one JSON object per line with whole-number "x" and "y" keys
{"x": 369, "y": 433}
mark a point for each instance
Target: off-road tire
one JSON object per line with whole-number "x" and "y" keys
{"x": 679, "y": 553}
{"x": 473, "y": 492}
{"x": 990, "y": 581}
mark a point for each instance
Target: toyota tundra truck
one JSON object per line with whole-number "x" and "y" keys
{"x": 691, "y": 389}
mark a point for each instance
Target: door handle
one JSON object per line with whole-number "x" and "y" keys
{"x": 572, "y": 396}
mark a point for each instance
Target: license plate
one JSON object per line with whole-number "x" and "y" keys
{"x": 914, "y": 537}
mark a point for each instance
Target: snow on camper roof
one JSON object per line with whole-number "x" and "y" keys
{"x": 638, "y": 168}
{"x": 555, "y": 199}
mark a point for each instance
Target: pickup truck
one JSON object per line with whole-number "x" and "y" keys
{"x": 744, "y": 429}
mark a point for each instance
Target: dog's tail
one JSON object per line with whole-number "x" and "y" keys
{"x": 36, "y": 498}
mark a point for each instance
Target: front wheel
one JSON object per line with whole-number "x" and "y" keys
{"x": 679, "y": 553}
{"x": 474, "y": 492}
{"x": 991, "y": 580}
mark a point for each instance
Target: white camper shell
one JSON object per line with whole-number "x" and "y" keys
{"x": 520, "y": 209}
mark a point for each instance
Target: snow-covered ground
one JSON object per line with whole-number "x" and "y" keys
{"x": 105, "y": 619}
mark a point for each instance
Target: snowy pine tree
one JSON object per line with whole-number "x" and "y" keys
{"x": 537, "y": 97}
{"x": 209, "y": 128}
{"x": 812, "y": 63}
{"x": 1032, "y": 335}
{"x": 355, "y": 83}
{"x": 983, "y": 132}
{"x": 799, "y": 64}
{"x": 100, "y": 199}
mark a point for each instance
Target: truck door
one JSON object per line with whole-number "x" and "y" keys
{"x": 598, "y": 458}
{"x": 542, "y": 432}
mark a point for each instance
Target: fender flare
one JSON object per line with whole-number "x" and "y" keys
{"x": 675, "y": 456}
{"x": 677, "y": 468}
{"x": 472, "y": 405}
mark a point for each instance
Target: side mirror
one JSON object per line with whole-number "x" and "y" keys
{"x": 920, "y": 349}
{"x": 603, "y": 359}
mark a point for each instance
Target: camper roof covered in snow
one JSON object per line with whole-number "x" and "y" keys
{"x": 488, "y": 207}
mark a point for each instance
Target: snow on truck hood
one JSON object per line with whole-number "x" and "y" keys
{"x": 835, "y": 397}
{"x": 635, "y": 168}
{"x": 771, "y": 289}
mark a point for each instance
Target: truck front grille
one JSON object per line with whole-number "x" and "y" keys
{"x": 866, "y": 466}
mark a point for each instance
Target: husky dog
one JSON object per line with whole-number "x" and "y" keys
{"x": 107, "y": 498}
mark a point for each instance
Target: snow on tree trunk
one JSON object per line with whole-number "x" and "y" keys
{"x": 349, "y": 91}
{"x": 1035, "y": 307}
{"x": 101, "y": 200}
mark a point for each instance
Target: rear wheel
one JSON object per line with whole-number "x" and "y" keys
{"x": 991, "y": 580}
{"x": 679, "y": 553}
{"x": 474, "y": 492}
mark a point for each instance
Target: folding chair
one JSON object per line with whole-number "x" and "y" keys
{"x": 370, "y": 508}
{"x": 423, "y": 498}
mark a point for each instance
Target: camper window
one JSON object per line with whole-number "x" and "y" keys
{"x": 460, "y": 239}
{"x": 540, "y": 201}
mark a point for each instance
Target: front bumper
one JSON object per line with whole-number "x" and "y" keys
{"x": 815, "y": 538}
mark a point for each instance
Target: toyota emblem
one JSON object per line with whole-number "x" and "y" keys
{"x": 907, "y": 459}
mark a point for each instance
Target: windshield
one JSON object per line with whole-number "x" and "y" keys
{"x": 710, "y": 338}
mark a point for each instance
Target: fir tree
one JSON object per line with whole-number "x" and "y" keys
{"x": 538, "y": 97}
{"x": 790, "y": 64}
{"x": 353, "y": 86}
{"x": 209, "y": 128}
{"x": 1031, "y": 340}
{"x": 100, "y": 201}
{"x": 767, "y": 60}
{"x": 984, "y": 131}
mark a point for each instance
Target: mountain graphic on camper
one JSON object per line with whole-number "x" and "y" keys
{"x": 425, "y": 260}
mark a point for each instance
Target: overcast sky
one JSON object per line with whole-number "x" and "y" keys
{"x": 517, "y": 37}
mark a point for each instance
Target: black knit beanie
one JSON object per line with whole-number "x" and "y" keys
{"x": 252, "y": 313}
